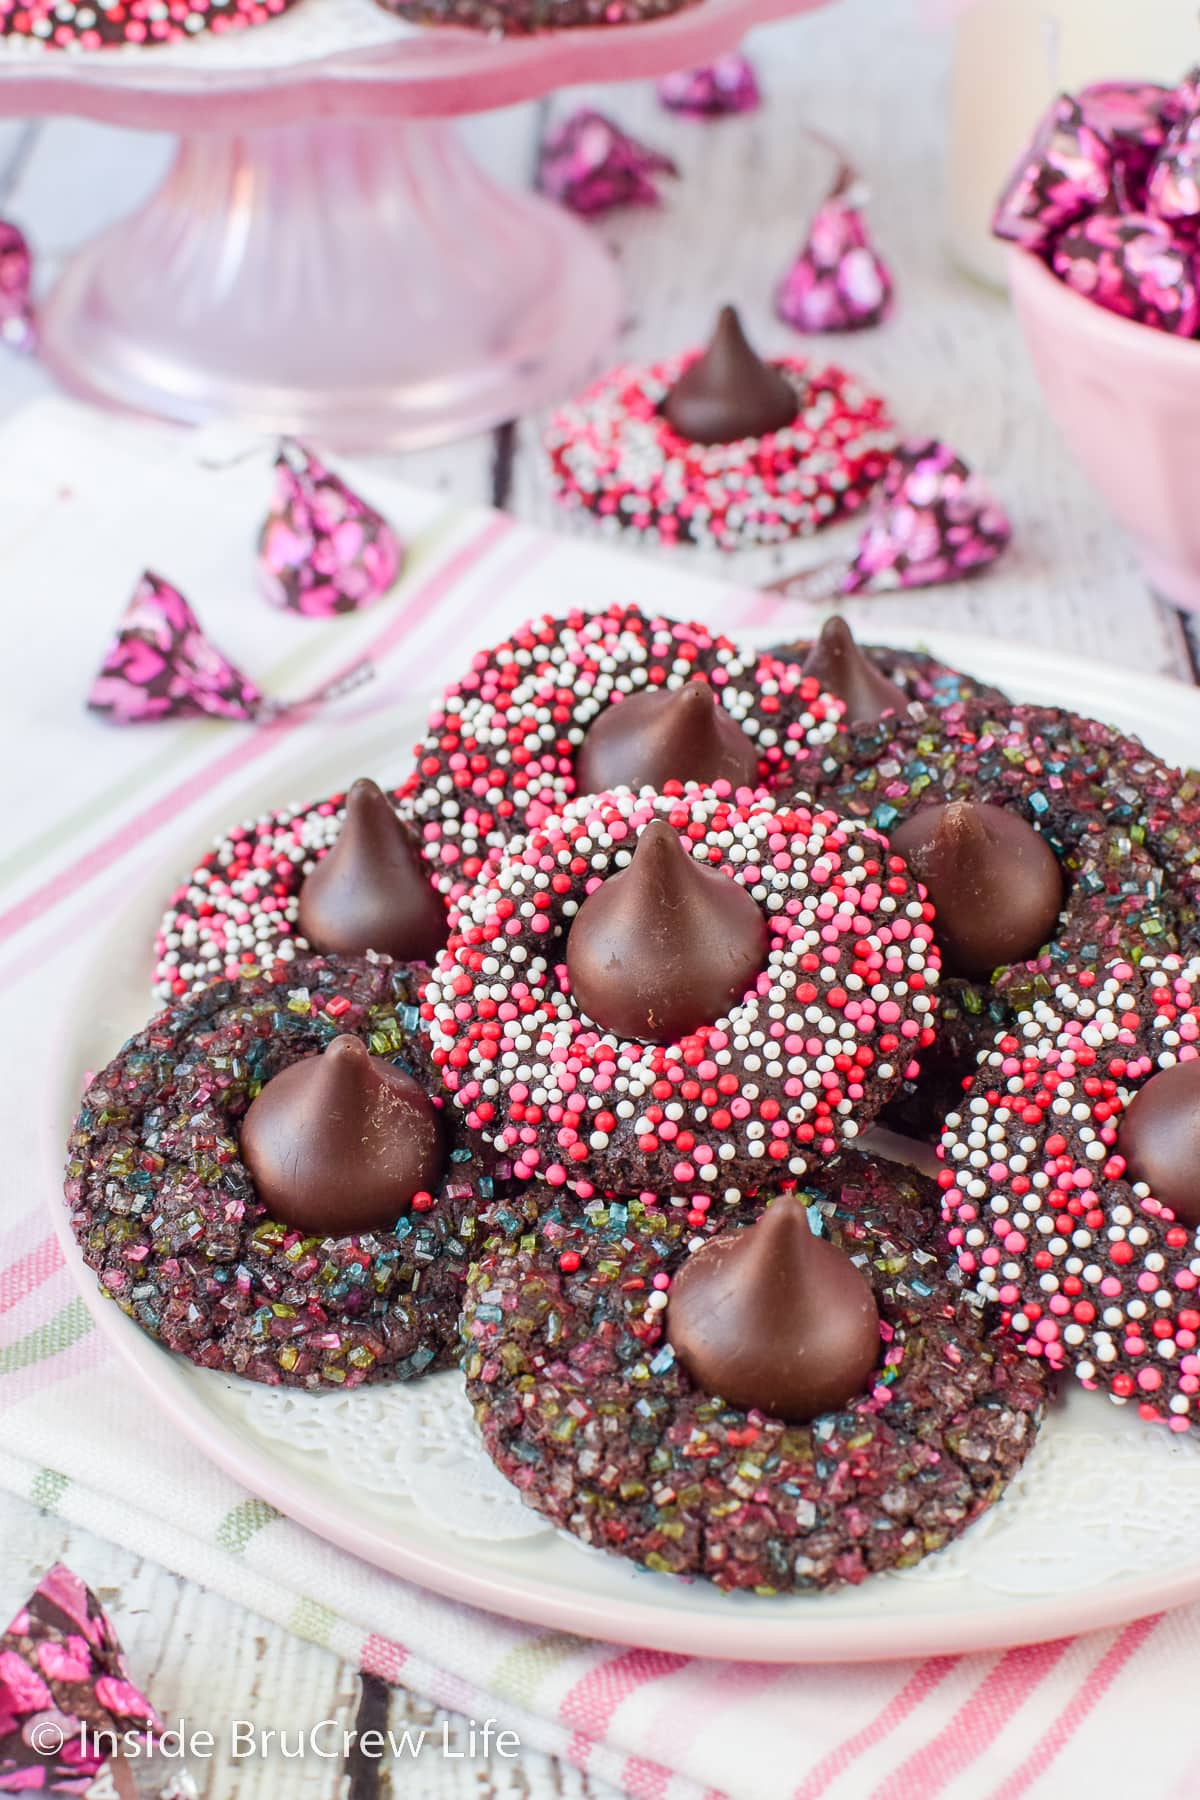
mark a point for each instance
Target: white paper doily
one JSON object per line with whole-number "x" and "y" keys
{"x": 1131, "y": 1495}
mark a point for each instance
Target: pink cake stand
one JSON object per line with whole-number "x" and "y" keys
{"x": 324, "y": 257}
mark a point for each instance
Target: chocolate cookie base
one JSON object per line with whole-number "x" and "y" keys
{"x": 166, "y": 1215}
{"x": 584, "y": 1408}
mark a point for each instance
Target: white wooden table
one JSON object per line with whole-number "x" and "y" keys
{"x": 951, "y": 363}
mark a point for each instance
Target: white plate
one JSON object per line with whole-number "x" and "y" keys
{"x": 1103, "y": 1524}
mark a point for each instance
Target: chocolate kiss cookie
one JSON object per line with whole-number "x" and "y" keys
{"x": 1054, "y": 1215}
{"x": 729, "y": 392}
{"x": 666, "y": 945}
{"x": 1160, "y": 1139}
{"x": 342, "y": 1142}
{"x": 372, "y": 891}
{"x": 847, "y": 672}
{"x": 668, "y": 734}
{"x": 995, "y": 883}
{"x": 799, "y": 1063}
{"x": 774, "y": 1319}
{"x": 586, "y": 1407}
{"x": 1123, "y": 825}
{"x": 168, "y": 1215}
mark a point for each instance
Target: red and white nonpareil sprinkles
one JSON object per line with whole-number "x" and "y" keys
{"x": 612, "y": 453}
{"x": 794, "y": 1072}
{"x": 1092, "y": 1273}
{"x": 237, "y": 909}
{"x": 499, "y": 755}
{"x": 80, "y": 26}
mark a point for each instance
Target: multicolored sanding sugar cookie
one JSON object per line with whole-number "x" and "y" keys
{"x": 169, "y": 1217}
{"x": 585, "y": 1406}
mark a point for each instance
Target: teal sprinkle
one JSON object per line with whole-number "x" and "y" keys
{"x": 884, "y": 816}
{"x": 460, "y": 1155}
{"x": 663, "y": 1361}
{"x": 487, "y": 1187}
{"x": 1039, "y": 803}
{"x": 816, "y": 1220}
{"x": 409, "y": 1017}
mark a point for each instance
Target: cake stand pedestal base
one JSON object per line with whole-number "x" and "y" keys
{"x": 365, "y": 285}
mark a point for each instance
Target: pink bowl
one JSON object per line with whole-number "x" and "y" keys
{"x": 1127, "y": 400}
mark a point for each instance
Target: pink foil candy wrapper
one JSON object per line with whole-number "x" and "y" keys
{"x": 1133, "y": 118}
{"x": 838, "y": 282}
{"x": 592, "y": 166}
{"x": 1173, "y": 190}
{"x": 1064, "y": 175}
{"x": 65, "y": 1693}
{"x": 932, "y": 520}
{"x": 728, "y": 85}
{"x": 18, "y": 328}
{"x": 1134, "y": 265}
{"x": 161, "y": 665}
{"x": 322, "y": 550}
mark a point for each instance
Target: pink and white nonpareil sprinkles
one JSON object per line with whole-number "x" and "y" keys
{"x": 499, "y": 753}
{"x": 613, "y": 454}
{"x": 322, "y": 550}
{"x": 1093, "y": 1274}
{"x": 838, "y": 1016}
{"x": 87, "y": 25}
{"x": 237, "y": 910}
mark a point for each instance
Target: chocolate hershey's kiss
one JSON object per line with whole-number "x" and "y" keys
{"x": 342, "y": 1142}
{"x": 995, "y": 883}
{"x": 774, "y": 1318}
{"x": 372, "y": 891}
{"x": 668, "y": 734}
{"x": 1159, "y": 1137}
{"x": 665, "y": 946}
{"x": 843, "y": 670}
{"x": 729, "y": 392}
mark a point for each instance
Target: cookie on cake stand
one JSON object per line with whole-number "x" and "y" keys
{"x": 325, "y": 259}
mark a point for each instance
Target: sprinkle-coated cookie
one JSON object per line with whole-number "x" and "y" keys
{"x": 500, "y": 751}
{"x": 1094, "y": 1274}
{"x": 838, "y": 1017}
{"x": 236, "y": 913}
{"x": 613, "y": 454}
{"x": 82, "y": 25}
{"x": 1124, "y": 825}
{"x": 167, "y": 1216}
{"x": 584, "y": 1406}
